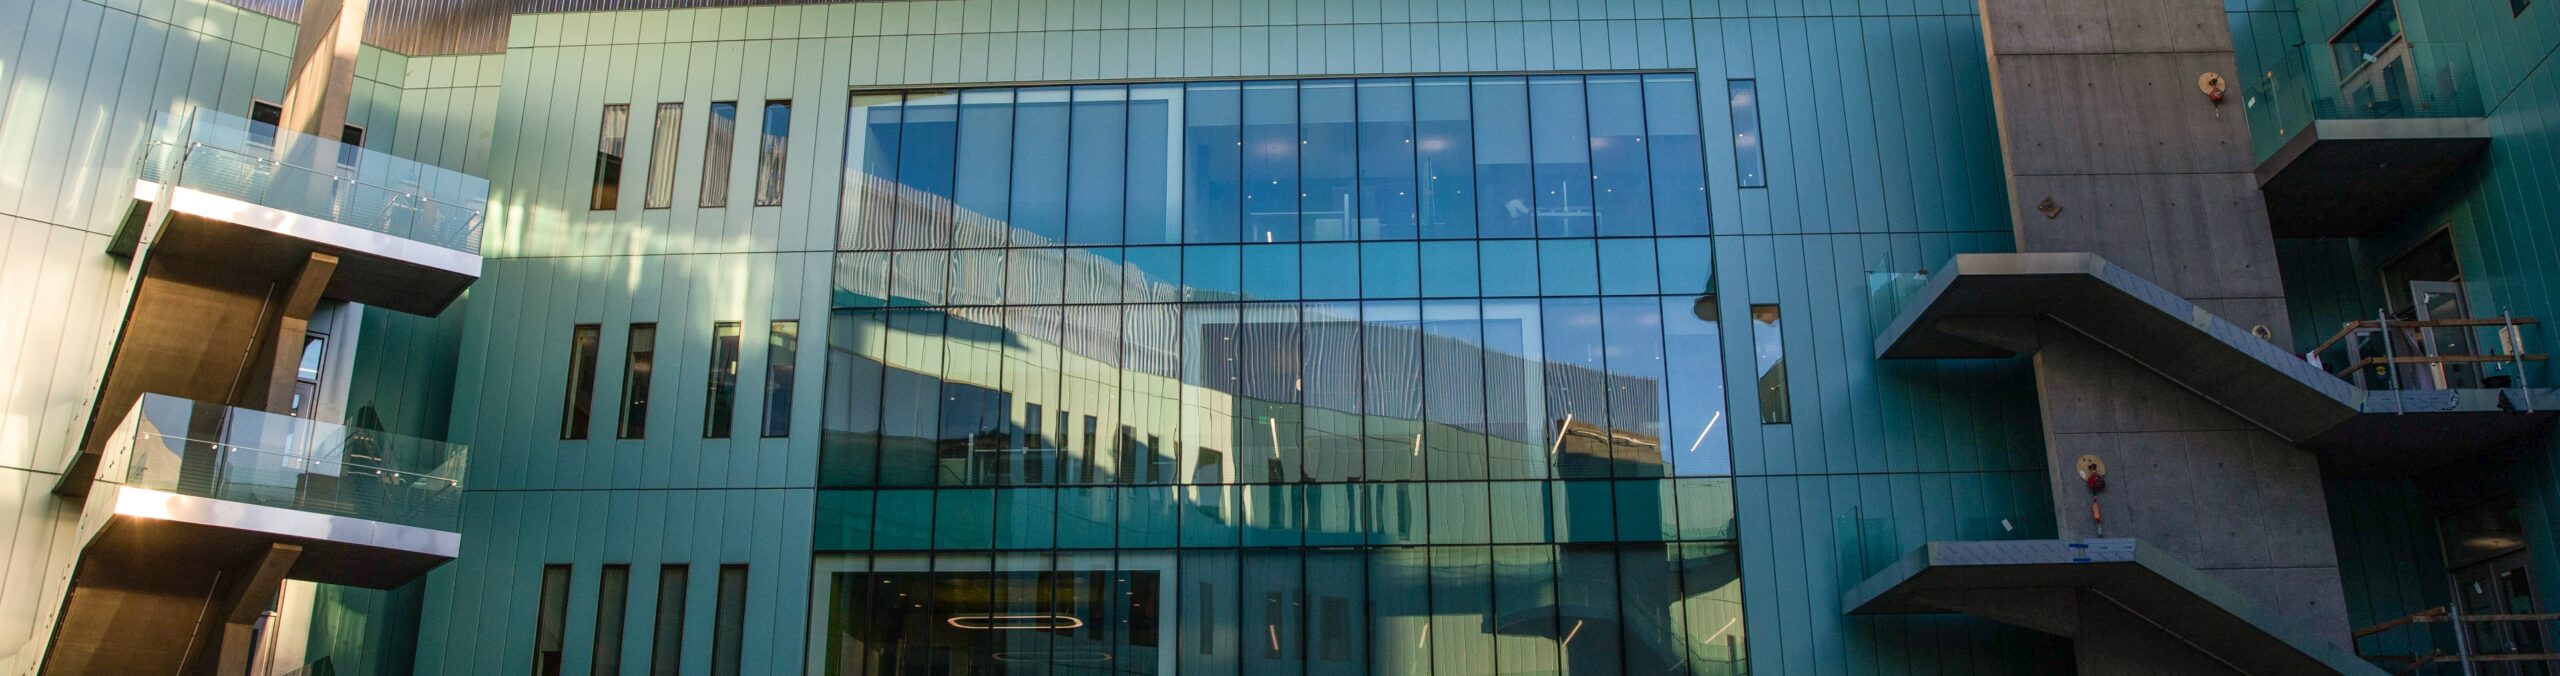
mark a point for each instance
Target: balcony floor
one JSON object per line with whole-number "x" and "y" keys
{"x": 2343, "y": 178}
{"x": 1983, "y": 305}
{"x": 375, "y": 269}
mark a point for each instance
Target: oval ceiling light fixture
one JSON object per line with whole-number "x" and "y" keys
{"x": 1034, "y": 621}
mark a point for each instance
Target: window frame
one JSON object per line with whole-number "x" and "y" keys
{"x": 613, "y": 148}
{"x": 773, "y": 153}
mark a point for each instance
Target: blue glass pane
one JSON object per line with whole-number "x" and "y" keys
{"x": 926, "y": 153}
{"x": 1155, "y": 164}
{"x": 1453, "y": 356}
{"x": 964, "y": 518}
{"x": 1386, "y": 159}
{"x": 982, "y": 192}
{"x": 1444, "y": 158}
{"x": 1328, "y": 160}
{"x": 917, "y": 277}
{"x": 1568, "y": 268}
{"x": 1577, "y": 388}
{"x": 911, "y": 397}
{"x": 1517, "y": 429}
{"x": 1621, "y": 187}
{"x": 1213, "y": 169}
{"x": 1274, "y": 516}
{"x": 1148, "y": 516}
{"x": 1706, "y": 508}
{"x": 1154, "y": 274}
{"x": 977, "y": 277}
{"x": 1098, "y": 153}
{"x": 1645, "y": 511}
{"x": 844, "y": 521}
{"x": 870, "y": 211}
{"x": 1638, "y": 392}
{"x": 1271, "y": 161}
{"x": 1391, "y": 347}
{"x": 1335, "y": 515}
{"x": 1209, "y": 273}
{"x": 1560, "y": 142}
{"x": 1460, "y": 513}
{"x": 1448, "y": 269}
{"x": 1210, "y": 516}
{"x": 1510, "y": 267}
{"x": 1743, "y": 97}
{"x": 1040, "y": 131}
{"x": 1389, "y": 270}
{"x": 1679, "y": 164}
{"x": 1694, "y": 367}
{"x": 903, "y": 520}
{"x": 1035, "y": 276}
{"x": 1400, "y": 513}
{"x": 1268, "y": 416}
{"x": 1688, "y": 264}
{"x": 1586, "y": 511}
{"x": 1093, "y": 275}
{"x": 861, "y": 279}
{"x": 1270, "y": 272}
{"x": 1506, "y": 199}
{"x": 849, "y": 448}
{"x": 1331, "y": 367}
{"x": 1626, "y": 267}
{"x": 1520, "y": 512}
{"x": 1027, "y": 518}
{"x": 1088, "y": 516}
{"x": 1332, "y": 271}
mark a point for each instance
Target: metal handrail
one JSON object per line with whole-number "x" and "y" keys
{"x": 2463, "y": 654}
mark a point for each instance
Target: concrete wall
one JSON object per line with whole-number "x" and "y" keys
{"x": 2113, "y": 149}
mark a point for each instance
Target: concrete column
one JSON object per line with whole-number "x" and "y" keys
{"x": 324, "y": 66}
{"x": 2111, "y": 147}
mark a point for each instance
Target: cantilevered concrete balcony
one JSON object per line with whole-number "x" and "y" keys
{"x": 198, "y": 511}
{"x": 2346, "y": 140}
{"x": 1989, "y": 305}
{"x": 2159, "y": 615}
{"x": 406, "y": 234}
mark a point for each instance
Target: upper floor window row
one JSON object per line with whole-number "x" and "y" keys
{"x": 1276, "y": 161}
{"x": 719, "y": 144}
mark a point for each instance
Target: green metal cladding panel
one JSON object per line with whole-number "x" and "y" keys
{"x": 2502, "y": 214}
{"x": 1881, "y": 152}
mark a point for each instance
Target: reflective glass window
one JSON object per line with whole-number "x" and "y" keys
{"x": 928, "y": 145}
{"x": 1506, "y": 198}
{"x": 1156, "y": 149}
{"x": 1387, "y": 198}
{"x": 772, "y": 153}
{"x": 1444, "y": 158}
{"x": 1743, "y": 98}
{"x": 1041, "y": 129}
{"x": 1678, "y": 165}
{"x": 1097, "y": 152}
{"x": 982, "y": 181}
{"x": 1213, "y": 156}
{"x": 1271, "y": 161}
{"x": 1328, "y": 160}
{"x": 612, "y": 137}
{"x": 720, "y": 141}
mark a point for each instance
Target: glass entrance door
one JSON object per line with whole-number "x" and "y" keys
{"x": 2501, "y": 586}
{"x": 2439, "y": 301}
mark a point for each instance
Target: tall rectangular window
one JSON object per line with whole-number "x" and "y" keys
{"x": 1744, "y": 97}
{"x": 720, "y": 140}
{"x": 721, "y": 404}
{"x": 613, "y": 593}
{"x": 781, "y": 368}
{"x": 662, "y": 156}
{"x": 666, "y": 637}
{"x": 610, "y": 137}
{"x": 770, "y": 152}
{"x": 579, "y": 407}
{"x": 551, "y": 621}
{"x": 729, "y": 626}
{"x": 1769, "y": 343}
{"x": 637, "y": 364}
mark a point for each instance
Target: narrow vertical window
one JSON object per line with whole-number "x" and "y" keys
{"x": 720, "y": 139}
{"x": 770, "y": 152}
{"x": 662, "y": 156}
{"x": 1744, "y": 96}
{"x": 551, "y": 621}
{"x": 579, "y": 407}
{"x": 1769, "y": 341}
{"x": 616, "y": 129}
{"x": 720, "y": 406}
{"x": 636, "y": 367}
{"x": 612, "y": 598}
{"x": 666, "y": 637}
{"x": 350, "y": 145}
{"x": 781, "y": 368}
{"x": 729, "y": 626}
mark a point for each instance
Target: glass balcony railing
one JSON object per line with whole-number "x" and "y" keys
{"x": 240, "y": 455}
{"x": 1887, "y": 293}
{"x": 2362, "y": 79}
{"x": 317, "y": 177}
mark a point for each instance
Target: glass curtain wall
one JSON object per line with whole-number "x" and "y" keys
{"x": 1376, "y": 375}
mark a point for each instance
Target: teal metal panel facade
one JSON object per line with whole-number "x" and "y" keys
{"x": 1880, "y": 154}
{"x": 2500, "y": 215}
